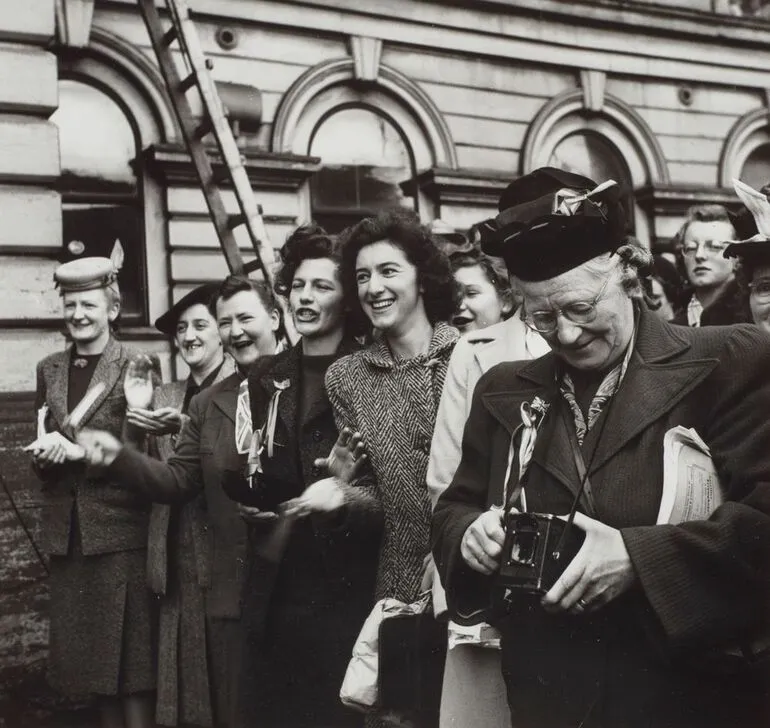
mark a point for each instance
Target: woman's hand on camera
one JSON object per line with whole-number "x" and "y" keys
{"x": 323, "y": 496}
{"x": 346, "y": 458}
{"x": 483, "y": 542}
{"x": 600, "y": 572}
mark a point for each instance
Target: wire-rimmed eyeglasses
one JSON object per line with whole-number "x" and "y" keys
{"x": 712, "y": 247}
{"x": 578, "y": 312}
{"x": 760, "y": 289}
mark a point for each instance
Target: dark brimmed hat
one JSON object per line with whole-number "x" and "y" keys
{"x": 751, "y": 246}
{"x": 85, "y": 274}
{"x": 551, "y": 221}
{"x": 202, "y": 294}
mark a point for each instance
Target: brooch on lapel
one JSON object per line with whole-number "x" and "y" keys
{"x": 264, "y": 438}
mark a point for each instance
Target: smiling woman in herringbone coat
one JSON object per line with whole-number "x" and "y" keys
{"x": 389, "y": 392}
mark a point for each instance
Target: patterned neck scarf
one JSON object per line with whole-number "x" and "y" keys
{"x": 243, "y": 419}
{"x": 606, "y": 390}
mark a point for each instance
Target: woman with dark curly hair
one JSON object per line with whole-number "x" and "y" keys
{"x": 393, "y": 272}
{"x": 309, "y": 583}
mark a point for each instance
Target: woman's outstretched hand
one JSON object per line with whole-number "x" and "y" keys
{"x": 100, "y": 447}
{"x": 323, "y": 496}
{"x": 346, "y": 458}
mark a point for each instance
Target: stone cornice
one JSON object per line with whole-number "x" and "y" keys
{"x": 172, "y": 165}
{"x": 475, "y": 187}
{"x": 676, "y": 199}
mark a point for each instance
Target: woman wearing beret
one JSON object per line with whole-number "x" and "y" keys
{"x": 96, "y": 532}
{"x": 177, "y": 532}
{"x": 644, "y": 623}
{"x": 310, "y": 580}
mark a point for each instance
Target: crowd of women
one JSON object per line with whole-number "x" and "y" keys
{"x": 216, "y": 546}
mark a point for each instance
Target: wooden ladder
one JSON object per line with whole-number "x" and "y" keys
{"x": 214, "y": 121}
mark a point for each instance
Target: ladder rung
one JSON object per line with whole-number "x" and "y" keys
{"x": 205, "y": 127}
{"x": 169, "y": 36}
{"x": 233, "y": 221}
{"x": 188, "y": 82}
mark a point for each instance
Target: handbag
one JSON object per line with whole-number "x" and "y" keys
{"x": 397, "y": 665}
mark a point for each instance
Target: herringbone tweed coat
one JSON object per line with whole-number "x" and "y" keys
{"x": 393, "y": 404}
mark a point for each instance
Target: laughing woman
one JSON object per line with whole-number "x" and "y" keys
{"x": 389, "y": 392}
{"x": 175, "y": 572}
{"x": 301, "y": 618}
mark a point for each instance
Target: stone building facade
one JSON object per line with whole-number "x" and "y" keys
{"x": 340, "y": 108}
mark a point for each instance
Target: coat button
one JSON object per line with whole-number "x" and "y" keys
{"x": 315, "y": 471}
{"x": 423, "y": 443}
{"x": 318, "y": 435}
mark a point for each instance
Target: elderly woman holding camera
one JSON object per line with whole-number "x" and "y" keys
{"x": 636, "y": 627}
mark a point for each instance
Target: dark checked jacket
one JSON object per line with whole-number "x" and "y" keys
{"x": 393, "y": 404}
{"x": 701, "y": 586}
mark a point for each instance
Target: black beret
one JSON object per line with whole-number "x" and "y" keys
{"x": 202, "y": 294}
{"x": 551, "y": 221}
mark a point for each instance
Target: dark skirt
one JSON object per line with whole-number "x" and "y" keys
{"x": 299, "y": 626}
{"x": 184, "y": 681}
{"x": 101, "y": 615}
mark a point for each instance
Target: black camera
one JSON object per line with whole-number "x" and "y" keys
{"x": 537, "y": 549}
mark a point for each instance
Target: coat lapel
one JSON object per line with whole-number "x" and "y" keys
{"x": 285, "y": 369}
{"x": 552, "y": 451}
{"x": 658, "y": 377}
{"x": 108, "y": 371}
{"x": 226, "y": 396}
{"x": 58, "y": 386}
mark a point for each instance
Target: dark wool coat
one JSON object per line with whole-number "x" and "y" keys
{"x": 731, "y": 307}
{"x": 302, "y": 616}
{"x": 700, "y": 584}
{"x": 96, "y": 533}
{"x": 176, "y": 574}
{"x": 205, "y": 450}
{"x": 393, "y": 404}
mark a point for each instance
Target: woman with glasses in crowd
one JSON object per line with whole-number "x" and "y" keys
{"x": 700, "y": 244}
{"x": 310, "y": 581}
{"x": 473, "y": 692}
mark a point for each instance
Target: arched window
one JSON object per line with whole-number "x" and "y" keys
{"x": 365, "y": 156}
{"x": 101, "y": 193}
{"x": 614, "y": 143}
{"x": 755, "y": 171}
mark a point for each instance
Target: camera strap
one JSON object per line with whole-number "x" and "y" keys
{"x": 585, "y": 491}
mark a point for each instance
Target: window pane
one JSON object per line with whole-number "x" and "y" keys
{"x": 592, "y": 156}
{"x": 93, "y": 230}
{"x": 96, "y": 140}
{"x": 756, "y": 169}
{"x": 364, "y": 160}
